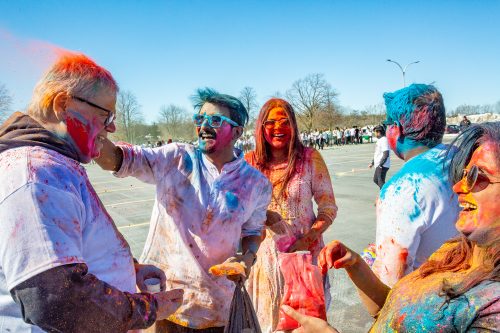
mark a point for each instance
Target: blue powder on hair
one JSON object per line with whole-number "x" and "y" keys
{"x": 399, "y": 103}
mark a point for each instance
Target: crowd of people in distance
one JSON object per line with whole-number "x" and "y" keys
{"x": 65, "y": 266}
{"x": 245, "y": 143}
{"x": 318, "y": 139}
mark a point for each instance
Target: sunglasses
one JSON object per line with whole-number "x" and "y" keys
{"x": 470, "y": 176}
{"x": 214, "y": 120}
{"x": 111, "y": 114}
{"x": 270, "y": 124}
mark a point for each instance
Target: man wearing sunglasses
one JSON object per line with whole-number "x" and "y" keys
{"x": 417, "y": 208}
{"x": 207, "y": 200}
{"x": 64, "y": 266}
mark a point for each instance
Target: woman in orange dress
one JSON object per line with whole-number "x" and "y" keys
{"x": 298, "y": 175}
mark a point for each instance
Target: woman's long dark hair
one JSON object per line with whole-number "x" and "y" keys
{"x": 459, "y": 256}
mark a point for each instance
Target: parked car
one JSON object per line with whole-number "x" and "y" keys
{"x": 452, "y": 129}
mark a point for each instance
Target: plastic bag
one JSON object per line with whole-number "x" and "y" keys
{"x": 242, "y": 317}
{"x": 285, "y": 240}
{"x": 303, "y": 290}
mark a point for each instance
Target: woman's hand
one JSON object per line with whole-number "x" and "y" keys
{"x": 309, "y": 324}
{"x": 306, "y": 243}
{"x": 301, "y": 244}
{"x": 275, "y": 222}
{"x": 337, "y": 255}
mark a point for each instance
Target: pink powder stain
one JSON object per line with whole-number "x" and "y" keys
{"x": 76, "y": 225}
{"x": 224, "y": 136}
{"x": 392, "y": 137}
{"x": 70, "y": 259}
{"x": 84, "y": 135}
{"x": 27, "y": 59}
{"x": 43, "y": 197}
{"x": 390, "y": 264}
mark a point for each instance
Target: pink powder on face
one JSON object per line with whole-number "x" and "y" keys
{"x": 224, "y": 137}
{"x": 392, "y": 136}
{"x": 84, "y": 134}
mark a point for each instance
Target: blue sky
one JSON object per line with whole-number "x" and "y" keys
{"x": 163, "y": 50}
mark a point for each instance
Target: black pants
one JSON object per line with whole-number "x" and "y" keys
{"x": 379, "y": 176}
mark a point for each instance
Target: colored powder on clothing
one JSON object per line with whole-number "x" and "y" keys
{"x": 231, "y": 200}
{"x": 188, "y": 163}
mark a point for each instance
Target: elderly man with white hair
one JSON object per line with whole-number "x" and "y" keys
{"x": 64, "y": 266}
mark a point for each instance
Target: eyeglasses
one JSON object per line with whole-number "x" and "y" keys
{"x": 214, "y": 120}
{"x": 470, "y": 176}
{"x": 111, "y": 114}
{"x": 270, "y": 124}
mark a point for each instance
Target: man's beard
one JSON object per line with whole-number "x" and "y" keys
{"x": 202, "y": 143}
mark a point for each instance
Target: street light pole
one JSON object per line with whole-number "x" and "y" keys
{"x": 403, "y": 70}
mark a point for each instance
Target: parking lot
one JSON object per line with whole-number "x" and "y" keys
{"x": 130, "y": 202}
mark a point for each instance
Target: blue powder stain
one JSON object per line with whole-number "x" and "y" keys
{"x": 188, "y": 163}
{"x": 231, "y": 200}
{"x": 407, "y": 144}
{"x": 201, "y": 144}
{"x": 426, "y": 165}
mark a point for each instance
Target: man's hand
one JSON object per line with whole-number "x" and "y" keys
{"x": 144, "y": 272}
{"x": 370, "y": 165}
{"x": 336, "y": 255}
{"x": 308, "y": 324}
{"x": 110, "y": 156}
{"x": 168, "y": 302}
{"x": 247, "y": 261}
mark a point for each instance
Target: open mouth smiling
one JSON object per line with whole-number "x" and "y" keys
{"x": 467, "y": 206}
{"x": 207, "y": 136}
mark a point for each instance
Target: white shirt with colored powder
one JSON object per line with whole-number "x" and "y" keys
{"x": 416, "y": 214}
{"x": 198, "y": 218}
{"x": 51, "y": 216}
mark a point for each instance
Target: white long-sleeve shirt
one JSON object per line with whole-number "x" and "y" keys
{"x": 198, "y": 219}
{"x": 51, "y": 216}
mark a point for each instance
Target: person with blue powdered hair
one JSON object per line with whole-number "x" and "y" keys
{"x": 458, "y": 288}
{"x": 417, "y": 208}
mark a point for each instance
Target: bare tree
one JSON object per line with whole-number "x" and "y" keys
{"x": 5, "y": 103}
{"x": 310, "y": 96}
{"x": 374, "y": 114}
{"x": 175, "y": 123}
{"x": 129, "y": 115}
{"x": 329, "y": 116}
{"x": 249, "y": 99}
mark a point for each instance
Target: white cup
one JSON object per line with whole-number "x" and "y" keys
{"x": 153, "y": 285}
